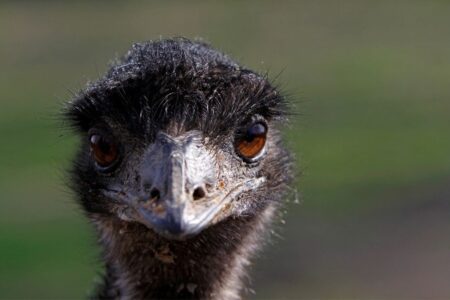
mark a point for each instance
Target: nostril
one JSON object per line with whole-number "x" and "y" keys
{"x": 199, "y": 193}
{"x": 154, "y": 194}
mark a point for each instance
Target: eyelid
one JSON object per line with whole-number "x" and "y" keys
{"x": 242, "y": 129}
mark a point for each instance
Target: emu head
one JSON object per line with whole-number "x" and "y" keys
{"x": 178, "y": 137}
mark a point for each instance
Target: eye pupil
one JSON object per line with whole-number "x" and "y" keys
{"x": 103, "y": 150}
{"x": 252, "y": 143}
{"x": 104, "y": 146}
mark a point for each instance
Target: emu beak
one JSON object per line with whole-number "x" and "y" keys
{"x": 183, "y": 194}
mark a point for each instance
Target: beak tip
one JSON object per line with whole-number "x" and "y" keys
{"x": 171, "y": 226}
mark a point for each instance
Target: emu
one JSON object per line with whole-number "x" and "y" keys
{"x": 180, "y": 168}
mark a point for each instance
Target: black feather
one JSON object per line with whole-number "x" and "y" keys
{"x": 177, "y": 85}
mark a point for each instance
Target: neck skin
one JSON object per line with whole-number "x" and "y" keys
{"x": 141, "y": 264}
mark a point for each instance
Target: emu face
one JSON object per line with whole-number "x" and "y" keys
{"x": 178, "y": 137}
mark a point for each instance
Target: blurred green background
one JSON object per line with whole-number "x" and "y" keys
{"x": 371, "y": 85}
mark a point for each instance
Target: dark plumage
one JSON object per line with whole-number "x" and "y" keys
{"x": 180, "y": 168}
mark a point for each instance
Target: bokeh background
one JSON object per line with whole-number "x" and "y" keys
{"x": 371, "y": 86}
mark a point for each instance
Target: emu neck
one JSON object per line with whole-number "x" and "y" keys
{"x": 141, "y": 264}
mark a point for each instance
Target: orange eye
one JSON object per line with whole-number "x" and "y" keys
{"x": 103, "y": 150}
{"x": 252, "y": 142}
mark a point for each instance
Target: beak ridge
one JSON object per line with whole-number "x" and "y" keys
{"x": 174, "y": 168}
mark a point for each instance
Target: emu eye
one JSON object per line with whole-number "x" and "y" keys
{"x": 103, "y": 150}
{"x": 251, "y": 143}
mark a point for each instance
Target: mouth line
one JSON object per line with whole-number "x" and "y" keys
{"x": 210, "y": 213}
{"x": 127, "y": 201}
{"x": 120, "y": 197}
